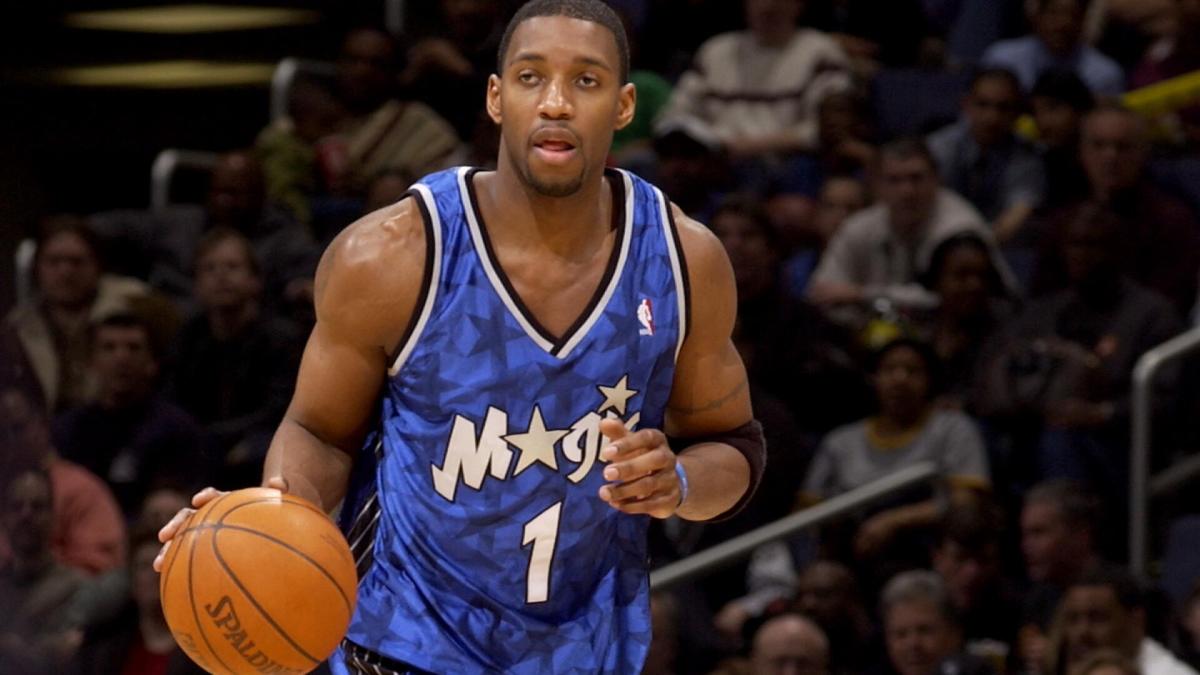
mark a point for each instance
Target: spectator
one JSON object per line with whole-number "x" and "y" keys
{"x": 1160, "y": 237}
{"x": 236, "y": 199}
{"x": 1104, "y": 610}
{"x": 386, "y": 189}
{"x": 980, "y": 157}
{"x": 890, "y": 33}
{"x": 744, "y": 85}
{"x": 1176, "y": 55}
{"x": 653, "y": 95}
{"x": 1057, "y": 42}
{"x": 919, "y": 624}
{"x": 882, "y": 251}
{"x": 235, "y": 364}
{"x": 137, "y": 641}
{"x": 1066, "y": 369}
{"x": 88, "y": 532}
{"x": 790, "y": 644}
{"x": 53, "y": 328}
{"x": 973, "y": 305}
{"x": 907, "y": 429}
{"x": 788, "y": 346}
{"x": 35, "y": 591}
{"x": 691, "y": 167}
{"x": 967, "y": 556}
{"x": 131, "y": 436}
{"x": 1058, "y": 542}
{"x": 1060, "y": 101}
{"x": 449, "y": 68}
{"x": 840, "y": 196}
{"x": 1189, "y": 619}
{"x": 845, "y": 134}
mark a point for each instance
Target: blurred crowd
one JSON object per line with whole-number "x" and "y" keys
{"x": 955, "y": 225}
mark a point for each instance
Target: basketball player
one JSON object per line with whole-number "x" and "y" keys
{"x": 497, "y": 363}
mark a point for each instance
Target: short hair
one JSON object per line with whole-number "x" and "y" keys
{"x": 131, "y": 320}
{"x": 907, "y": 147}
{"x": 933, "y": 364}
{"x": 1124, "y": 586}
{"x": 750, "y": 207}
{"x": 996, "y": 73}
{"x": 918, "y": 586}
{"x": 1079, "y": 506}
{"x": 594, "y": 11}
{"x": 67, "y": 224}
{"x": 219, "y": 235}
{"x": 1064, "y": 85}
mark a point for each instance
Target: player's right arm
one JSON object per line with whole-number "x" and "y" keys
{"x": 366, "y": 289}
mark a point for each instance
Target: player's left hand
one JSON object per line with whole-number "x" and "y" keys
{"x": 641, "y": 472}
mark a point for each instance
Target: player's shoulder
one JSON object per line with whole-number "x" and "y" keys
{"x": 374, "y": 265}
{"x": 703, "y": 251}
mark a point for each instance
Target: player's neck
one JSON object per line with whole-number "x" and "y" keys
{"x": 567, "y": 225}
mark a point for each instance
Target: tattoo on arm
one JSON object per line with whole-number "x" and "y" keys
{"x": 712, "y": 404}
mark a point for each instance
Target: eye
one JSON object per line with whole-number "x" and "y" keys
{"x": 588, "y": 81}
{"x": 527, "y": 77}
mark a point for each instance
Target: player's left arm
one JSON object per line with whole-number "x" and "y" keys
{"x": 708, "y": 417}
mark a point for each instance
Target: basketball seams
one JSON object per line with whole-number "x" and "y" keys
{"x": 192, "y": 597}
{"x": 253, "y": 602}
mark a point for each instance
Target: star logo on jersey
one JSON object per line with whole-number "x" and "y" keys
{"x": 616, "y": 397}
{"x": 645, "y": 316}
{"x": 536, "y": 444}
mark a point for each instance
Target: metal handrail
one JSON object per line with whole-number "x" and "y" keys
{"x": 1144, "y": 373}
{"x": 23, "y": 267}
{"x": 729, "y": 552}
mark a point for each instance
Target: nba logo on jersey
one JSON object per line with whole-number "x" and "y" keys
{"x": 645, "y": 315}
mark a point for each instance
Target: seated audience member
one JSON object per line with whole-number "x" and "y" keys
{"x": 880, "y": 252}
{"x": 1063, "y": 376}
{"x": 1160, "y": 236}
{"x": 839, "y": 197}
{"x": 448, "y": 68}
{"x": 235, "y": 364}
{"x": 35, "y": 591}
{"x": 907, "y": 429}
{"x": 381, "y": 132}
{"x": 1105, "y": 610}
{"x": 53, "y": 327}
{"x": 920, "y": 627}
{"x": 743, "y": 85}
{"x": 973, "y": 306}
{"x": 1058, "y": 543}
{"x": 1060, "y": 101}
{"x": 790, "y": 644}
{"x": 88, "y": 531}
{"x": 846, "y": 134}
{"x": 137, "y": 640}
{"x": 236, "y": 199}
{"x": 1057, "y": 42}
{"x": 787, "y": 345}
{"x": 690, "y": 167}
{"x": 1177, "y": 55}
{"x": 982, "y": 159}
{"x": 967, "y": 556}
{"x": 386, "y": 189}
{"x": 131, "y": 436}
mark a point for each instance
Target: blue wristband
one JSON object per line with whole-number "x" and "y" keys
{"x": 683, "y": 483}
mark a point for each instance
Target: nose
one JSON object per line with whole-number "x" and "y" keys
{"x": 556, "y": 103}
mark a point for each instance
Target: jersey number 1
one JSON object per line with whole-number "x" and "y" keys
{"x": 542, "y": 532}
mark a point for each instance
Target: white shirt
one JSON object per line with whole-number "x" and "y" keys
{"x": 1154, "y": 659}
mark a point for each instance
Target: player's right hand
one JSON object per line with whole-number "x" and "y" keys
{"x": 168, "y": 531}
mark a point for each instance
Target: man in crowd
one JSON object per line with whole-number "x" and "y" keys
{"x": 790, "y": 644}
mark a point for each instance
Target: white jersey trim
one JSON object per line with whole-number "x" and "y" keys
{"x": 435, "y": 229}
{"x": 681, "y": 296}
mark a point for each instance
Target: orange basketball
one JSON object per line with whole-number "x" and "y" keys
{"x": 255, "y": 582}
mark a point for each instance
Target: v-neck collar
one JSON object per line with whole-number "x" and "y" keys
{"x": 557, "y": 346}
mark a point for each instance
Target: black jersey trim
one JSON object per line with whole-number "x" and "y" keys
{"x": 683, "y": 269}
{"x": 621, "y": 243}
{"x": 425, "y": 297}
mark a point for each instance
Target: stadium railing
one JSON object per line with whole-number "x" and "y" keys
{"x": 1142, "y": 486}
{"x": 728, "y": 552}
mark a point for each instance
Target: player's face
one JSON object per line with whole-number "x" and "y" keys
{"x": 558, "y": 101}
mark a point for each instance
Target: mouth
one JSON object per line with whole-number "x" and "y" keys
{"x": 554, "y": 146}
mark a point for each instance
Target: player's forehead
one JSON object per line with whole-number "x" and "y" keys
{"x": 563, "y": 39}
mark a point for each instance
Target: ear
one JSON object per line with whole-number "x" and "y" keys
{"x": 493, "y": 98}
{"x": 626, "y": 105}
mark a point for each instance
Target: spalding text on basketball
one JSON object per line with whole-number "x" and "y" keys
{"x": 226, "y": 620}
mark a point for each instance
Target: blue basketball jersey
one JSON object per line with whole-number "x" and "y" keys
{"x": 485, "y": 547}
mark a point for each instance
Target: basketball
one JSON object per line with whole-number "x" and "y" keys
{"x": 258, "y": 582}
